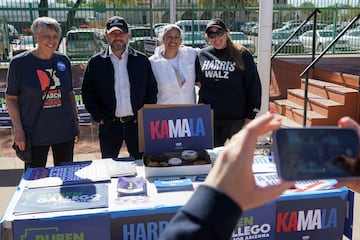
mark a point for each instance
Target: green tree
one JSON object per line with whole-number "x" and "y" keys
{"x": 351, "y": 13}
{"x": 307, "y": 5}
{"x": 43, "y": 6}
{"x": 68, "y": 3}
{"x": 327, "y": 15}
{"x": 228, "y": 3}
{"x": 121, "y": 3}
{"x": 70, "y": 18}
{"x": 229, "y": 15}
{"x": 310, "y": 7}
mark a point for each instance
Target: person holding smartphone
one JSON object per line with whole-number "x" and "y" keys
{"x": 229, "y": 189}
{"x": 216, "y": 206}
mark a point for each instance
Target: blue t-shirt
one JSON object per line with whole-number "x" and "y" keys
{"x": 28, "y": 78}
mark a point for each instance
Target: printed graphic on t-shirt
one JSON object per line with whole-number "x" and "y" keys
{"x": 53, "y": 97}
{"x": 217, "y": 69}
{"x": 179, "y": 76}
{"x": 182, "y": 77}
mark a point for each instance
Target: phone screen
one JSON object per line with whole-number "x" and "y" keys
{"x": 316, "y": 153}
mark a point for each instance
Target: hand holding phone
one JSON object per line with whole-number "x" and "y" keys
{"x": 316, "y": 153}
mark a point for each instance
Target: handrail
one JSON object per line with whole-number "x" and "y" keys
{"x": 317, "y": 10}
{"x": 307, "y": 75}
{"x": 314, "y": 61}
{"x": 330, "y": 45}
{"x": 313, "y": 14}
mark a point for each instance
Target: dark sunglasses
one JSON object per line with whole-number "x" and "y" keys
{"x": 213, "y": 35}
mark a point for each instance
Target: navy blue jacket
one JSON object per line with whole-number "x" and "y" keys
{"x": 98, "y": 85}
{"x": 209, "y": 214}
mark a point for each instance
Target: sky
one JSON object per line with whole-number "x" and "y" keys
{"x": 324, "y": 3}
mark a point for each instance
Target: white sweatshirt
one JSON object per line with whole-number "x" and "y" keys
{"x": 169, "y": 89}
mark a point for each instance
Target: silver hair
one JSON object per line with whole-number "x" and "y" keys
{"x": 167, "y": 28}
{"x": 45, "y": 22}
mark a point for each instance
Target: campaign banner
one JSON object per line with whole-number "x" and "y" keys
{"x": 257, "y": 223}
{"x": 311, "y": 218}
{"x": 5, "y": 120}
{"x": 146, "y": 227}
{"x": 75, "y": 227}
{"x": 176, "y": 128}
{"x": 348, "y": 228}
{"x": 84, "y": 115}
{"x": 62, "y": 198}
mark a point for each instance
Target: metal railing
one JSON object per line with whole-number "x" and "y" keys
{"x": 295, "y": 33}
{"x": 20, "y": 14}
{"x": 315, "y": 60}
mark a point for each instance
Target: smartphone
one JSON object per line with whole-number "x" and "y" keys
{"x": 311, "y": 153}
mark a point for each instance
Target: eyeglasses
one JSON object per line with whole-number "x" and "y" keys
{"x": 218, "y": 33}
{"x": 50, "y": 38}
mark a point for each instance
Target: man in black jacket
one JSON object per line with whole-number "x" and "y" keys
{"x": 117, "y": 83}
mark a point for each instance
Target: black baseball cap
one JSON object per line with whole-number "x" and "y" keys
{"x": 116, "y": 23}
{"x": 216, "y": 22}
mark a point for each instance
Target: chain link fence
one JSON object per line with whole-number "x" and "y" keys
{"x": 83, "y": 23}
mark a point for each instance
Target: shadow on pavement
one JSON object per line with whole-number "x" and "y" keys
{"x": 10, "y": 177}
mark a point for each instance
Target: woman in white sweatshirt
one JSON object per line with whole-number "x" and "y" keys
{"x": 174, "y": 68}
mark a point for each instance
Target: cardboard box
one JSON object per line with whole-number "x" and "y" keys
{"x": 165, "y": 131}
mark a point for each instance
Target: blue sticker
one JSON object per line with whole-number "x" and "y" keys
{"x": 61, "y": 66}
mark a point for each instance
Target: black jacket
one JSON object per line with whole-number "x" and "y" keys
{"x": 98, "y": 85}
{"x": 209, "y": 214}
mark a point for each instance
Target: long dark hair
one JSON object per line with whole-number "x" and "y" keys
{"x": 234, "y": 53}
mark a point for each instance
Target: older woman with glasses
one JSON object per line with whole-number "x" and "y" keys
{"x": 229, "y": 82}
{"x": 173, "y": 67}
{"x": 40, "y": 98}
